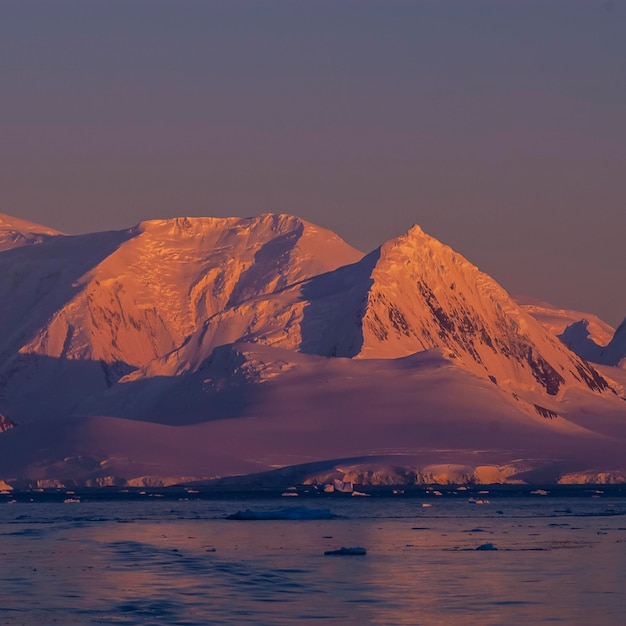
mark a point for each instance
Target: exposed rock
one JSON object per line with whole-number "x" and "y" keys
{"x": 5, "y": 423}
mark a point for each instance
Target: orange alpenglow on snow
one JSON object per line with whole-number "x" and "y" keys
{"x": 196, "y": 348}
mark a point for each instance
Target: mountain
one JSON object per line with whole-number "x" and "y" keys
{"x": 556, "y": 320}
{"x": 202, "y": 347}
{"x": 109, "y": 303}
{"x": 410, "y": 295}
{"x": 583, "y": 333}
{"x": 15, "y": 233}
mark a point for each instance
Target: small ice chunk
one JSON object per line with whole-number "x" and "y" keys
{"x": 486, "y": 546}
{"x": 356, "y": 551}
{"x": 293, "y": 513}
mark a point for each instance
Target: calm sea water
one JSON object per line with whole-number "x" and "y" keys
{"x": 171, "y": 560}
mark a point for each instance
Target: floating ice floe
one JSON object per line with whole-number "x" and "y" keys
{"x": 295, "y": 513}
{"x": 486, "y": 546}
{"x": 356, "y": 551}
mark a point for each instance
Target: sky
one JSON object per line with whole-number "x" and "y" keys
{"x": 497, "y": 126}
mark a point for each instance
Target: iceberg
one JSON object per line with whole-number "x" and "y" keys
{"x": 292, "y": 513}
{"x": 356, "y": 551}
{"x": 486, "y": 546}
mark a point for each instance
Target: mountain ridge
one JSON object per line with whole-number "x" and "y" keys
{"x": 16, "y": 232}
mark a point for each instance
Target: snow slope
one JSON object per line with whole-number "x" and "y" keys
{"x": 194, "y": 348}
{"x": 155, "y": 289}
{"x": 255, "y": 408}
{"x": 15, "y": 233}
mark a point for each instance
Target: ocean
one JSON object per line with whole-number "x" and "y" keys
{"x": 486, "y": 555}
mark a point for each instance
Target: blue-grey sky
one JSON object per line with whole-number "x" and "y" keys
{"x": 498, "y": 126}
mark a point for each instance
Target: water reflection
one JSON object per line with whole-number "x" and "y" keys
{"x": 417, "y": 571}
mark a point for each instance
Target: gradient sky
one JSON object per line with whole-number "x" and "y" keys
{"x": 498, "y": 126}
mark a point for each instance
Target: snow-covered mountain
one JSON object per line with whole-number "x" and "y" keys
{"x": 556, "y": 319}
{"x": 109, "y": 303}
{"x": 202, "y": 346}
{"x": 583, "y": 333}
{"x": 410, "y": 295}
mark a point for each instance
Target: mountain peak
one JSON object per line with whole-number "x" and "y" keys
{"x": 423, "y": 256}
{"x": 414, "y": 236}
{"x": 415, "y": 231}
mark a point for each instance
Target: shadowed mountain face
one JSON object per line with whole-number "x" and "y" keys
{"x": 615, "y": 351}
{"x": 579, "y": 339}
{"x": 187, "y": 322}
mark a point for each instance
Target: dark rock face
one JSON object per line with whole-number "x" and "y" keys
{"x": 594, "y": 381}
{"x": 547, "y": 413}
{"x": 615, "y": 352}
{"x": 545, "y": 374}
{"x": 5, "y": 423}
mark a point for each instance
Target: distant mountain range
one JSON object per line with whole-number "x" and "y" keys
{"x": 583, "y": 333}
{"x": 269, "y": 349}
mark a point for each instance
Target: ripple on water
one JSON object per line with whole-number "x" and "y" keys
{"x": 159, "y": 570}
